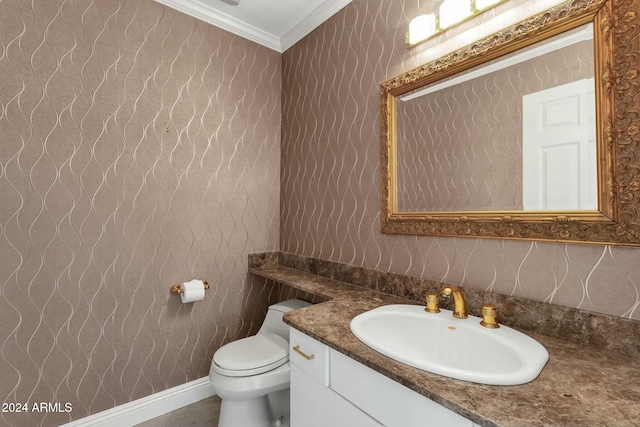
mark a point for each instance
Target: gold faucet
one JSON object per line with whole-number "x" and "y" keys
{"x": 459, "y": 305}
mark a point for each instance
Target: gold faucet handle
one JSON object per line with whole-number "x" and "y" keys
{"x": 490, "y": 316}
{"x": 432, "y": 303}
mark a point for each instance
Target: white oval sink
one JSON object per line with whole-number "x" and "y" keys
{"x": 455, "y": 348}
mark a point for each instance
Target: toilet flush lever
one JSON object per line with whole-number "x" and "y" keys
{"x": 302, "y": 353}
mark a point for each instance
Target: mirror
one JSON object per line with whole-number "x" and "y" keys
{"x": 533, "y": 149}
{"x": 461, "y": 158}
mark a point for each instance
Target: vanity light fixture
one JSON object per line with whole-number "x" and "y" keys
{"x": 451, "y": 13}
{"x": 454, "y": 11}
{"x": 481, "y": 5}
{"x": 421, "y": 28}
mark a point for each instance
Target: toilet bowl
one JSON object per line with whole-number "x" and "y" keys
{"x": 251, "y": 375}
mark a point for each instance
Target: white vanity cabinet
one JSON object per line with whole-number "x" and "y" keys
{"x": 313, "y": 402}
{"x": 329, "y": 388}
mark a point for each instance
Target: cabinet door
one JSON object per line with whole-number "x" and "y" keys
{"x": 309, "y": 355}
{"x": 313, "y": 405}
{"x": 389, "y": 402}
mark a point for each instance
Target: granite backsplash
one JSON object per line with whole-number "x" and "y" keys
{"x": 600, "y": 331}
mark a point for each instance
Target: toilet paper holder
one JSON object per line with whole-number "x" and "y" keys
{"x": 177, "y": 288}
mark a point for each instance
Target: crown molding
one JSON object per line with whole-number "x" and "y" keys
{"x": 311, "y": 22}
{"x": 277, "y": 42}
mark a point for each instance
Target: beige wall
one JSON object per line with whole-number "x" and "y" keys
{"x": 330, "y": 184}
{"x": 139, "y": 148}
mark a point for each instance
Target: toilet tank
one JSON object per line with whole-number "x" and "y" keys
{"x": 273, "y": 322}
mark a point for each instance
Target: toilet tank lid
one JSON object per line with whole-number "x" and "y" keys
{"x": 289, "y": 305}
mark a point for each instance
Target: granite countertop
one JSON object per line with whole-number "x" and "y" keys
{"x": 579, "y": 386}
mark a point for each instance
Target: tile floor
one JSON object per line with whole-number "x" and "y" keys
{"x": 200, "y": 414}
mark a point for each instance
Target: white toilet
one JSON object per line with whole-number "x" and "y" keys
{"x": 251, "y": 375}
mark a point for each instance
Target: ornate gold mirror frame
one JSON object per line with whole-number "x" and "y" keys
{"x": 617, "y": 78}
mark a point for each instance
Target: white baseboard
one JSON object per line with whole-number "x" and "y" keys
{"x": 146, "y": 408}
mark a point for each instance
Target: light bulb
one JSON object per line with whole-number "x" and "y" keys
{"x": 421, "y": 27}
{"x": 453, "y": 11}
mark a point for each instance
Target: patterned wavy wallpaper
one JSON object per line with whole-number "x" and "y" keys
{"x": 330, "y": 184}
{"x": 139, "y": 148}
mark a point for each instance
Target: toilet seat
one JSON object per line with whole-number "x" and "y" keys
{"x": 251, "y": 356}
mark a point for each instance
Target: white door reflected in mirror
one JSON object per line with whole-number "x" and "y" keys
{"x": 559, "y": 148}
